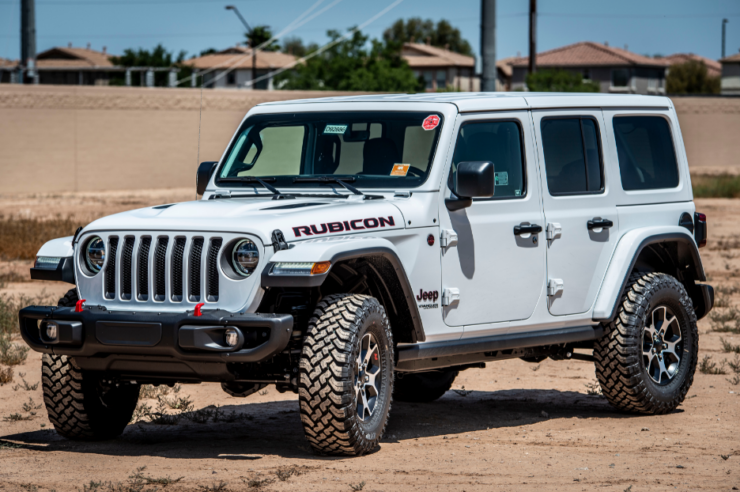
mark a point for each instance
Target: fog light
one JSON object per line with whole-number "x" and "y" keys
{"x": 231, "y": 337}
{"x": 52, "y": 330}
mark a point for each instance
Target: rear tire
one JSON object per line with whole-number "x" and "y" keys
{"x": 81, "y": 405}
{"x": 346, "y": 375}
{"x": 423, "y": 387}
{"x": 647, "y": 357}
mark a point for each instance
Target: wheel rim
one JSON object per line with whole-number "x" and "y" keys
{"x": 367, "y": 377}
{"x": 662, "y": 345}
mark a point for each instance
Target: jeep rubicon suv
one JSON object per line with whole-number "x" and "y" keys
{"x": 356, "y": 249}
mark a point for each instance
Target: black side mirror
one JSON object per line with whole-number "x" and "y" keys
{"x": 473, "y": 179}
{"x": 203, "y": 176}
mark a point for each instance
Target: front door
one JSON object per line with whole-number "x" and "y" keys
{"x": 499, "y": 274}
{"x": 580, "y": 212}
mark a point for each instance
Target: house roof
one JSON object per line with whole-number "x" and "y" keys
{"x": 714, "y": 68}
{"x": 241, "y": 57}
{"x": 590, "y": 54}
{"x": 73, "y": 58}
{"x": 8, "y": 63}
{"x": 423, "y": 55}
{"x": 505, "y": 65}
{"x": 731, "y": 59}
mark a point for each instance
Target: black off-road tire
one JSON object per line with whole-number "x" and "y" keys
{"x": 423, "y": 387}
{"x": 327, "y": 393}
{"x": 81, "y": 405}
{"x": 620, "y": 366}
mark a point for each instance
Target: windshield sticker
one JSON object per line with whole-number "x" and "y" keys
{"x": 335, "y": 129}
{"x": 430, "y": 122}
{"x": 501, "y": 179}
{"x": 400, "y": 169}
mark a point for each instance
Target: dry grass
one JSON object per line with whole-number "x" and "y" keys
{"x": 708, "y": 366}
{"x": 719, "y": 186}
{"x": 6, "y": 375}
{"x": 21, "y": 238}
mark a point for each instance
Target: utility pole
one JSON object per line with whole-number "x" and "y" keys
{"x": 724, "y": 28}
{"x": 251, "y": 42}
{"x": 488, "y": 45}
{"x": 532, "y": 36}
{"x": 27, "y": 65}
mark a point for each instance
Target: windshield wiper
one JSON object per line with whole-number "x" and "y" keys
{"x": 253, "y": 179}
{"x": 329, "y": 179}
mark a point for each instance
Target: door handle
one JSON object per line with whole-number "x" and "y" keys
{"x": 599, "y": 223}
{"x": 527, "y": 229}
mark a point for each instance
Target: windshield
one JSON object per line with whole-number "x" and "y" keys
{"x": 369, "y": 149}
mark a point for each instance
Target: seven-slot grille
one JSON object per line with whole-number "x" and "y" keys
{"x": 154, "y": 267}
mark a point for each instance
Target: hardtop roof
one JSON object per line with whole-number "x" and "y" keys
{"x": 492, "y": 101}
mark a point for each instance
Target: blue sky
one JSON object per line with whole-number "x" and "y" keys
{"x": 645, "y": 26}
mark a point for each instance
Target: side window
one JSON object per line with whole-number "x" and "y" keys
{"x": 572, "y": 156}
{"x": 499, "y": 142}
{"x": 647, "y": 158}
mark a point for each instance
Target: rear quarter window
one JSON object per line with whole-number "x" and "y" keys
{"x": 647, "y": 156}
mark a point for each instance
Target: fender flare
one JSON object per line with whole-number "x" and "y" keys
{"x": 625, "y": 257}
{"x": 336, "y": 250}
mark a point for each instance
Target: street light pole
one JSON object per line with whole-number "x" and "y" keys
{"x": 724, "y": 24}
{"x": 251, "y": 42}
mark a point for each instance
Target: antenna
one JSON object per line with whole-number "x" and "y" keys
{"x": 200, "y": 118}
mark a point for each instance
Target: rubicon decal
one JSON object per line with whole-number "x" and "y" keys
{"x": 345, "y": 225}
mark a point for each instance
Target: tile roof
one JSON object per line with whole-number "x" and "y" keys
{"x": 714, "y": 68}
{"x": 590, "y": 54}
{"x": 8, "y": 63}
{"x": 731, "y": 58}
{"x": 241, "y": 57}
{"x": 73, "y": 58}
{"x": 505, "y": 65}
{"x": 422, "y": 55}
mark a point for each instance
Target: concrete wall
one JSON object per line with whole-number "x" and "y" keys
{"x": 57, "y": 138}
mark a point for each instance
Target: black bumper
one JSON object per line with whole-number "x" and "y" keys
{"x": 177, "y": 345}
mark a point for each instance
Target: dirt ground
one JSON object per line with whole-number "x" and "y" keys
{"x": 511, "y": 426}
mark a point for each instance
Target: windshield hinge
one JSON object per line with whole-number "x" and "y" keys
{"x": 402, "y": 194}
{"x": 554, "y": 230}
{"x": 278, "y": 241}
{"x": 221, "y": 194}
{"x": 447, "y": 238}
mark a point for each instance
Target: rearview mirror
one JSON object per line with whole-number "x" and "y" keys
{"x": 472, "y": 179}
{"x": 203, "y": 176}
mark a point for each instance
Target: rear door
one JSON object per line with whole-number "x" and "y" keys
{"x": 499, "y": 275}
{"x": 582, "y": 226}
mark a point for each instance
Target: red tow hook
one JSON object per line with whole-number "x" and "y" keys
{"x": 78, "y": 306}
{"x": 197, "y": 309}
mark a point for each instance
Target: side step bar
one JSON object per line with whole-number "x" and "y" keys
{"x": 426, "y": 356}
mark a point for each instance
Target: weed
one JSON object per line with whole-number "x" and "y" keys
{"x": 728, "y": 347}
{"x": 6, "y": 375}
{"x": 92, "y": 486}
{"x": 15, "y": 417}
{"x": 183, "y": 403}
{"x": 11, "y": 354}
{"x": 263, "y": 392}
{"x": 735, "y": 364}
{"x": 724, "y": 456}
{"x": 21, "y": 238}
{"x": 462, "y": 391}
{"x": 149, "y": 391}
{"x": 25, "y": 385}
{"x": 725, "y": 320}
{"x": 30, "y": 406}
{"x": 593, "y": 389}
{"x": 535, "y": 368}
{"x": 141, "y": 412}
{"x": 707, "y": 366}
{"x": 285, "y": 472}
{"x": 357, "y": 487}
{"x": 9, "y": 445}
{"x": 216, "y": 487}
{"x": 735, "y": 380}
{"x": 29, "y": 487}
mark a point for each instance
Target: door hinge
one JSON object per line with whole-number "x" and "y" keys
{"x": 447, "y": 238}
{"x": 450, "y": 295}
{"x": 553, "y": 230}
{"x": 554, "y": 285}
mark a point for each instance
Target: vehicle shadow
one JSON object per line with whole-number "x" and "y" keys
{"x": 250, "y": 431}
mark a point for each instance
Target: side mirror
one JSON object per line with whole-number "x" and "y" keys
{"x": 203, "y": 176}
{"x": 473, "y": 179}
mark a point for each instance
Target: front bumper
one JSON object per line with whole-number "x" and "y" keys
{"x": 176, "y": 345}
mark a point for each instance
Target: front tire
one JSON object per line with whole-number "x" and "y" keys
{"x": 82, "y": 405}
{"x": 647, "y": 357}
{"x": 346, "y": 375}
{"x": 423, "y": 387}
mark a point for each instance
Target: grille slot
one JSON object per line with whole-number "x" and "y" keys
{"x": 196, "y": 253}
{"x": 160, "y": 258}
{"x": 142, "y": 267}
{"x": 110, "y": 270}
{"x": 128, "y": 252}
{"x": 212, "y": 280}
{"x": 178, "y": 254}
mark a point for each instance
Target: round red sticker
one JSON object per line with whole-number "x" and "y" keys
{"x": 430, "y": 122}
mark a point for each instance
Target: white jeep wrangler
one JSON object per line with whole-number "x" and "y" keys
{"x": 362, "y": 248}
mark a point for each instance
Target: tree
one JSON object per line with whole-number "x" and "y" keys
{"x": 295, "y": 47}
{"x": 259, "y": 35}
{"x": 443, "y": 35}
{"x": 691, "y": 77}
{"x": 559, "y": 81}
{"x": 158, "y": 57}
{"x": 350, "y": 66}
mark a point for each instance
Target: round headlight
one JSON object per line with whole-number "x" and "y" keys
{"x": 95, "y": 254}
{"x": 244, "y": 257}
